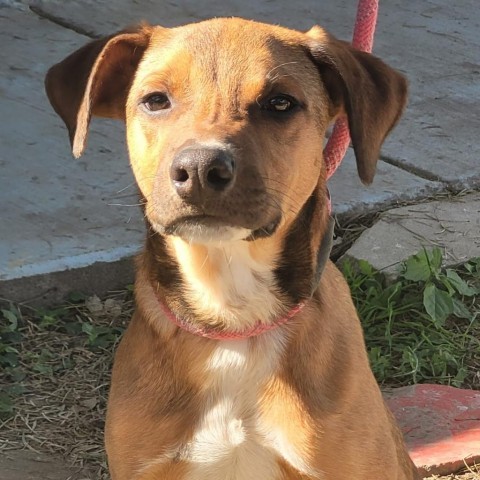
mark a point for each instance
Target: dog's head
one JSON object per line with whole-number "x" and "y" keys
{"x": 226, "y": 118}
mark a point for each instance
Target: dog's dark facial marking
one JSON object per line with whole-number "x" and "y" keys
{"x": 295, "y": 270}
{"x": 163, "y": 266}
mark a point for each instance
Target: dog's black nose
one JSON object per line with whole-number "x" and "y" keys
{"x": 197, "y": 173}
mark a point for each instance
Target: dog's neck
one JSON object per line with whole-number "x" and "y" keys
{"x": 232, "y": 285}
{"x": 238, "y": 285}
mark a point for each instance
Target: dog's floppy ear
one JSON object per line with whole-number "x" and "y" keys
{"x": 371, "y": 94}
{"x": 95, "y": 80}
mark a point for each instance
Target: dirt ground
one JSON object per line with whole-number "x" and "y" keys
{"x": 28, "y": 465}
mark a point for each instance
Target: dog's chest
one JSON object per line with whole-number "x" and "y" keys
{"x": 232, "y": 441}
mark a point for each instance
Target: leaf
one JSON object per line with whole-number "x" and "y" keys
{"x": 365, "y": 267}
{"x": 437, "y": 303}
{"x": 16, "y": 390}
{"x": 43, "y": 369}
{"x": 460, "y": 377}
{"x": 473, "y": 266}
{"x": 13, "y": 338}
{"x": 76, "y": 297}
{"x": 47, "y": 321}
{"x": 447, "y": 284}
{"x": 9, "y": 358}
{"x": 87, "y": 328}
{"x": 460, "y": 285}
{"x": 460, "y": 310}
{"x": 17, "y": 376}
{"x": 12, "y": 318}
{"x": 435, "y": 259}
{"x": 378, "y": 362}
{"x": 6, "y": 404}
{"x": 417, "y": 268}
{"x": 73, "y": 328}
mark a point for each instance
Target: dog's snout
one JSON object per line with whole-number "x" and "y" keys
{"x": 197, "y": 173}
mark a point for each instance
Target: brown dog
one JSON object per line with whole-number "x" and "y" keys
{"x": 245, "y": 358}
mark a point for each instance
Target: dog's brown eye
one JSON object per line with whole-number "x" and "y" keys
{"x": 156, "y": 102}
{"x": 281, "y": 103}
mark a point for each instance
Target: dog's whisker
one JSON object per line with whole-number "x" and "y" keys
{"x": 136, "y": 182}
{"x": 130, "y": 185}
{"x": 292, "y": 202}
{"x": 125, "y": 204}
{"x": 279, "y": 66}
{"x": 207, "y": 256}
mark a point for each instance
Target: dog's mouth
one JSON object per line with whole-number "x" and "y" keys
{"x": 213, "y": 229}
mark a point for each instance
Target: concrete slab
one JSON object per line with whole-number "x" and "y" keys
{"x": 441, "y": 426}
{"x": 105, "y": 16}
{"x": 27, "y": 465}
{"x": 452, "y": 224}
{"x": 390, "y": 187}
{"x": 435, "y": 43}
{"x": 58, "y": 213}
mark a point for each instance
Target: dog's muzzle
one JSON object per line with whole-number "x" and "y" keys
{"x": 217, "y": 196}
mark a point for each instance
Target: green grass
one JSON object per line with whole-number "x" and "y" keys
{"x": 424, "y": 327}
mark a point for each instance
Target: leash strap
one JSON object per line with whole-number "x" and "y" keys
{"x": 363, "y": 33}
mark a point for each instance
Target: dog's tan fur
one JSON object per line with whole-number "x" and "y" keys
{"x": 300, "y": 401}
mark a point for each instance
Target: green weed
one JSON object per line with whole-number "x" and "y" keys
{"x": 424, "y": 327}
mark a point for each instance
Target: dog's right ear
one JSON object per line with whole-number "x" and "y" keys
{"x": 95, "y": 80}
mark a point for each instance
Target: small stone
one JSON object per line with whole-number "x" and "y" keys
{"x": 113, "y": 307}
{"x": 89, "y": 403}
{"x": 94, "y": 305}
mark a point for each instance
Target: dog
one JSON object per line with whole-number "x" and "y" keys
{"x": 245, "y": 358}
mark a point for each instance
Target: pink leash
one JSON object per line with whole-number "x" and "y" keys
{"x": 362, "y": 40}
{"x": 333, "y": 154}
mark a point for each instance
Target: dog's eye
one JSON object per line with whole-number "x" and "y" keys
{"x": 156, "y": 101}
{"x": 281, "y": 103}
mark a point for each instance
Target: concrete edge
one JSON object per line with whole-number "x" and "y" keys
{"x": 49, "y": 289}
{"x": 72, "y": 262}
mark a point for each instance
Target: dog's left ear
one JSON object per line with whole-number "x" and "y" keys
{"x": 371, "y": 94}
{"x": 95, "y": 80}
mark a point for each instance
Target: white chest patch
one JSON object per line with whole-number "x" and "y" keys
{"x": 230, "y": 443}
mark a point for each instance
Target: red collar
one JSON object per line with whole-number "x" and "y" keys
{"x": 258, "y": 328}
{"x": 216, "y": 334}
